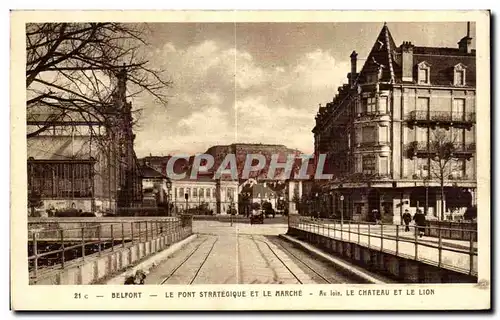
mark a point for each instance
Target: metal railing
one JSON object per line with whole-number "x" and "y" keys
{"x": 443, "y": 116}
{"x": 455, "y": 255}
{"x": 370, "y": 144}
{"x": 55, "y": 248}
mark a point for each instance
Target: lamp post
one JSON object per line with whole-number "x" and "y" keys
{"x": 342, "y": 211}
{"x": 426, "y": 185}
{"x": 316, "y": 203}
{"x": 169, "y": 187}
{"x": 332, "y": 214}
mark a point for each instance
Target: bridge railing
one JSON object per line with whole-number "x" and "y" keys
{"x": 51, "y": 248}
{"x": 458, "y": 255}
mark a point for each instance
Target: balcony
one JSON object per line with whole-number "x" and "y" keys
{"x": 369, "y": 116}
{"x": 421, "y": 149}
{"x": 441, "y": 118}
{"x": 372, "y": 144}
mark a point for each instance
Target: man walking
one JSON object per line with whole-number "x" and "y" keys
{"x": 377, "y": 216}
{"x": 420, "y": 222}
{"x": 407, "y": 220}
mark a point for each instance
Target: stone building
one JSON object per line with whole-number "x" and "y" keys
{"x": 82, "y": 161}
{"x": 402, "y": 125}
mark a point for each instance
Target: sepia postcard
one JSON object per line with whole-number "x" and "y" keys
{"x": 250, "y": 160}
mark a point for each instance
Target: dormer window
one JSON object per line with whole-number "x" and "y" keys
{"x": 459, "y": 75}
{"x": 371, "y": 77}
{"x": 424, "y": 73}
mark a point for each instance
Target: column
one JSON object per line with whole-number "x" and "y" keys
{"x": 439, "y": 214}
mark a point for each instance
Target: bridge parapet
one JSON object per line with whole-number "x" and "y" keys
{"x": 56, "y": 246}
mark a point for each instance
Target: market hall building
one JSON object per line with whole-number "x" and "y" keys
{"x": 384, "y": 131}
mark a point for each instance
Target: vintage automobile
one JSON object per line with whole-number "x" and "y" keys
{"x": 257, "y": 217}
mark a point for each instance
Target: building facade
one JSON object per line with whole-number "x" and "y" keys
{"x": 203, "y": 194}
{"x": 401, "y": 133}
{"x": 82, "y": 162}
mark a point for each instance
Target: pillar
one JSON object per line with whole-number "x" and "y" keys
{"x": 438, "y": 205}
{"x": 400, "y": 202}
{"x": 292, "y": 209}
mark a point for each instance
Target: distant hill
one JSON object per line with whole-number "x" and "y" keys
{"x": 241, "y": 150}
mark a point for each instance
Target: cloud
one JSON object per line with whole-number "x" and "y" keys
{"x": 216, "y": 87}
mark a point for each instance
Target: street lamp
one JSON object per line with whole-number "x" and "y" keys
{"x": 426, "y": 185}
{"x": 332, "y": 214}
{"x": 169, "y": 187}
{"x": 342, "y": 211}
{"x": 316, "y": 203}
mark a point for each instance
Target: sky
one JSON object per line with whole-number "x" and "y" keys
{"x": 257, "y": 82}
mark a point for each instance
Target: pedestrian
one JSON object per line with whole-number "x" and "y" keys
{"x": 420, "y": 221}
{"x": 376, "y": 215}
{"x": 407, "y": 220}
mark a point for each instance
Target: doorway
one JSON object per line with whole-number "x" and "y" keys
{"x": 373, "y": 202}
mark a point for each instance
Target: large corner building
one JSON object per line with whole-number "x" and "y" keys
{"x": 381, "y": 129}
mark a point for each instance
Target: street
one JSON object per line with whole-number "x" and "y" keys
{"x": 242, "y": 254}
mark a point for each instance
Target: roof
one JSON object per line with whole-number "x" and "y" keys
{"x": 442, "y": 66}
{"x": 61, "y": 148}
{"x": 148, "y": 172}
{"x": 381, "y": 56}
{"x": 385, "y": 55}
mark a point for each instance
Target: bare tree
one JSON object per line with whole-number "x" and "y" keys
{"x": 444, "y": 148}
{"x": 71, "y": 70}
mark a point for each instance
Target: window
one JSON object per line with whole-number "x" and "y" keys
{"x": 422, "y": 170}
{"x": 181, "y": 192}
{"x": 383, "y": 104}
{"x": 369, "y": 134}
{"x": 369, "y": 164}
{"x": 458, "y": 136}
{"x": 384, "y": 134}
{"x": 370, "y": 105}
{"x": 459, "y": 75}
{"x": 457, "y": 169}
{"x": 384, "y": 165}
{"x": 202, "y": 193}
{"x": 371, "y": 77}
{"x": 458, "y": 109}
{"x": 207, "y": 192}
{"x": 423, "y": 104}
{"x": 61, "y": 180}
{"x": 188, "y": 191}
{"x": 423, "y": 73}
{"x": 421, "y": 134}
{"x": 195, "y": 193}
{"x": 359, "y": 167}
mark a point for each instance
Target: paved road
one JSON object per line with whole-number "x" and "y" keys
{"x": 242, "y": 254}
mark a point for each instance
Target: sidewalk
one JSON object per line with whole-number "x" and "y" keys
{"x": 455, "y": 254}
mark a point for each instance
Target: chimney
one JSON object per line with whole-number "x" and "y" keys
{"x": 352, "y": 77}
{"x": 407, "y": 61}
{"x": 465, "y": 45}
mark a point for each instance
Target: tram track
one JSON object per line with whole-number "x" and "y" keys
{"x": 276, "y": 255}
{"x": 191, "y": 254}
{"x": 289, "y": 252}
